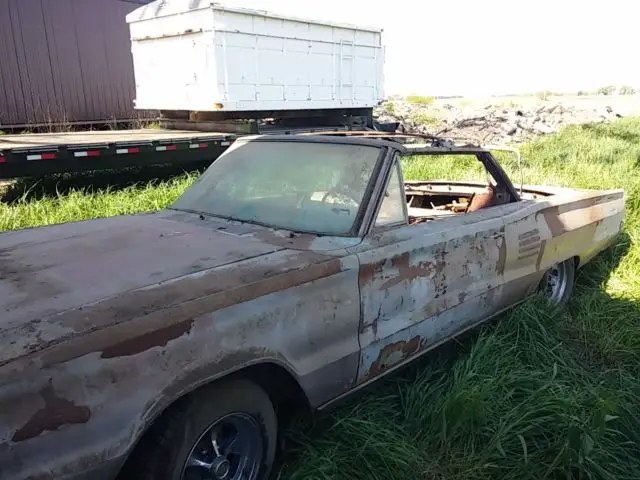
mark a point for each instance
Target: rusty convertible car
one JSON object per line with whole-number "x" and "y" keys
{"x": 296, "y": 270}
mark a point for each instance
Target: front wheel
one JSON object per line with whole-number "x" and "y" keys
{"x": 222, "y": 432}
{"x": 557, "y": 283}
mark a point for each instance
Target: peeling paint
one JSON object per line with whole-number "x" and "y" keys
{"x": 502, "y": 256}
{"x": 56, "y": 413}
{"x": 156, "y": 338}
{"x": 407, "y": 272}
{"x": 369, "y": 271}
{"x": 543, "y": 245}
{"x": 554, "y": 223}
{"x": 393, "y": 354}
{"x": 182, "y": 301}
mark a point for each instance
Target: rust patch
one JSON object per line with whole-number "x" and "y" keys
{"x": 244, "y": 279}
{"x": 553, "y": 222}
{"x": 302, "y": 241}
{"x": 393, "y": 354}
{"x": 374, "y": 325}
{"x": 142, "y": 343}
{"x": 368, "y": 271}
{"x": 595, "y": 214}
{"x": 543, "y": 244}
{"x": 502, "y": 257}
{"x": 590, "y": 201}
{"x": 139, "y": 312}
{"x": 56, "y": 413}
{"x": 481, "y": 200}
{"x": 479, "y": 247}
{"x": 441, "y": 289}
{"x": 411, "y": 272}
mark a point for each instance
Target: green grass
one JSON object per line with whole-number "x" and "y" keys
{"x": 538, "y": 393}
{"x": 419, "y": 99}
{"x": 424, "y": 118}
{"x": 58, "y": 199}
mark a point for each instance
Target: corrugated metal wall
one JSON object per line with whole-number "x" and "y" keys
{"x": 65, "y": 61}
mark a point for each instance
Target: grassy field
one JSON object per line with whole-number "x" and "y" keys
{"x": 538, "y": 393}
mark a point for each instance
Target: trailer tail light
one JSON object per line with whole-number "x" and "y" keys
{"x": 3, "y": 159}
{"x": 87, "y": 153}
{"x": 122, "y": 151}
{"x": 42, "y": 156}
{"x": 165, "y": 148}
{"x": 198, "y": 145}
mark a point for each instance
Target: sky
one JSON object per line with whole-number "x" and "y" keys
{"x": 490, "y": 47}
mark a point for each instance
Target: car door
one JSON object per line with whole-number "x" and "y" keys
{"x": 420, "y": 284}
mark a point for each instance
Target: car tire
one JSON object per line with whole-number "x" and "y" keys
{"x": 557, "y": 283}
{"x": 181, "y": 437}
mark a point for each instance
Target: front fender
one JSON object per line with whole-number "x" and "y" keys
{"x": 73, "y": 417}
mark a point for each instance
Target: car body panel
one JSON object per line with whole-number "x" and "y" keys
{"x": 422, "y": 284}
{"x": 107, "y": 322}
{"x": 410, "y": 286}
{"x": 51, "y": 270}
{"x": 203, "y": 304}
{"x": 96, "y": 391}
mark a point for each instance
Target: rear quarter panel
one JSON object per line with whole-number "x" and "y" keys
{"x": 572, "y": 224}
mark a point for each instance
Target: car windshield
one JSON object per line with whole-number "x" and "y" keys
{"x": 298, "y": 186}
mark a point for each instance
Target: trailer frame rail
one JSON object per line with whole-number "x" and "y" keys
{"x": 34, "y": 155}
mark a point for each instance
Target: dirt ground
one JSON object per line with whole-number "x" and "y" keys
{"x": 625, "y": 105}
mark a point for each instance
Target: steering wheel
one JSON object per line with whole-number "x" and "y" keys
{"x": 339, "y": 193}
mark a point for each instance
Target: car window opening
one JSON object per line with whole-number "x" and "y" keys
{"x": 438, "y": 196}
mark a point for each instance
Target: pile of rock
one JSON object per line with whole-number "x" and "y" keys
{"x": 490, "y": 124}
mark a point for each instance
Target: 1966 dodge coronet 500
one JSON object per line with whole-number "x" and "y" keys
{"x": 296, "y": 270}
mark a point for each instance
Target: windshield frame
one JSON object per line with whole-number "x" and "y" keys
{"x": 365, "y": 204}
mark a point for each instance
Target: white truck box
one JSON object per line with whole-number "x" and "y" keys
{"x": 197, "y": 55}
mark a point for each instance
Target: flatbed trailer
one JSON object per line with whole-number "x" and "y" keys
{"x": 46, "y": 153}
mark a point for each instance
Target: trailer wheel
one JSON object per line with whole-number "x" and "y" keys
{"x": 557, "y": 283}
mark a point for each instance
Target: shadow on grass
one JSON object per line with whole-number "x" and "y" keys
{"x": 35, "y": 188}
{"x": 595, "y": 357}
{"x": 605, "y": 329}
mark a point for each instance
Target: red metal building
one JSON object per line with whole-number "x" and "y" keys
{"x": 65, "y": 61}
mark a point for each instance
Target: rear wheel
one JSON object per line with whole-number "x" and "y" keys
{"x": 223, "y": 432}
{"x": 557, "y": 283}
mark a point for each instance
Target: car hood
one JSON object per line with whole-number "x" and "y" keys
{"x": 47, "y": 270}
{"x": 51, "y": 272}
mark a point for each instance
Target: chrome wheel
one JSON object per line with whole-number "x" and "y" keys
{"x": 556, "y": 284}
{"x": 232, "y": 448}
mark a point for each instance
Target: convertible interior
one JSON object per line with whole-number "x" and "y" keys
{"x": 431, "y": 200}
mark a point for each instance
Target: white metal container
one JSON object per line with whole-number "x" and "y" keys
{"x": 198, "y": 55}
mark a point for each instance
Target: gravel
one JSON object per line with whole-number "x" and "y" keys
{"x": 491, "y": 124}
